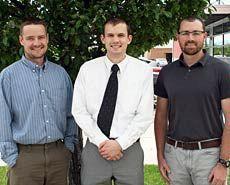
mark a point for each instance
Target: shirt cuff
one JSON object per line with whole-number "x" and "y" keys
{"x": 69, "y": 145}
{"x": 123, "y": 143}
{"x": 10, "y": 160}
{"x": 98, "y": 140}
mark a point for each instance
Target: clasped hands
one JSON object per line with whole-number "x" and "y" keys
{"x": 110, "y": 150}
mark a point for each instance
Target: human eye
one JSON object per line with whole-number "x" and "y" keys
{"x": 41, "y": 37}
{"x": 197, "y": 33}
{"x": 121, "y": 35}
{"x": 109, "y": 35}
{"x": 30, "y": 38}
{"x": 184, "y": 33}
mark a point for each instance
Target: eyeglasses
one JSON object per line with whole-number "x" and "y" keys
{"x": 194, "y": 33}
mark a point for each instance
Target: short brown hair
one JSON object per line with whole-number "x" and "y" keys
{"x": 115, "y": 20}
{"x": 31, "y": 22}
{"x": 191, "y": 19}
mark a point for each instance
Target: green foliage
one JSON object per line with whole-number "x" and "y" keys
{"x": 75, "y": 26}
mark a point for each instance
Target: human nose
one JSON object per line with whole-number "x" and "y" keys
{"x": 191, "y": 36}
{"x": 115, "y": 39}
{"x": 36, "y": 42}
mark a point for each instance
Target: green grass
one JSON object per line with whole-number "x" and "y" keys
{"x": 3, "y": 171}
{"x": 152, "y": 176}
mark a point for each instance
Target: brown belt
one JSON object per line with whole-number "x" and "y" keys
{"x": 55, "y": 143}
{"x": 196, "y": 145}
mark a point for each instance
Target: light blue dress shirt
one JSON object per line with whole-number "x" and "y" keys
{"x": 35, "y": 107}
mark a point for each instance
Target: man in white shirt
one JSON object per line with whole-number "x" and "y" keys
{"x": 113, "y": 151}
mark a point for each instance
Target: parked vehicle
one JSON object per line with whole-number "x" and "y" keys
{"x": 156, "y": 66}
{"x": 161, "y": 62}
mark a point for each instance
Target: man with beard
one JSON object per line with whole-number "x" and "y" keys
{"x": 37, "y": 130}
{"x": 192, "y": 140}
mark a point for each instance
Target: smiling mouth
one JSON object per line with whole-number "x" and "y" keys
{"x": 115, "y": 46}
{"x": 38, "y": 48}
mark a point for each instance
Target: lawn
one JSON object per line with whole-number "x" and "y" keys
{"x": 152, "y": 176}
{"x": 3, "y": 171}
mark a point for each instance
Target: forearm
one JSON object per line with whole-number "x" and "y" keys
{"x": 225, "y": 145}
{"x": 133, "y": 132}
{"x": 143, "y": 115}
{"x": 70, "y": 134}
{"x": 160, "y": 127}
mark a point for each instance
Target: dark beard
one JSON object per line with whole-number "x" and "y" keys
{"x": 193, "y": 51}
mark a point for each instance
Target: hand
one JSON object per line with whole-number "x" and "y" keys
{"x": 218, "y": 175}
{"x": 110, "y": 150}
{"x": 164, "y": 169}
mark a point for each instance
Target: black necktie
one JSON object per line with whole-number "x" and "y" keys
{"x": 106, "y": 112}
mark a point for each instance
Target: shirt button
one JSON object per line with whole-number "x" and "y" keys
{"x": 189, "y": 70}
{"x": 45, "y": 106}
{"x": 49, "y": 137}
{"x": 43, "y": 90}
{"x": 47, "y": 121}
{"x": 33, "y": 71}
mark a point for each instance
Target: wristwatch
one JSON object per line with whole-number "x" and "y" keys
{"x": 225, "y": 163}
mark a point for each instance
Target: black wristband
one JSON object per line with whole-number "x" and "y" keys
{"x": 225, "y": 163}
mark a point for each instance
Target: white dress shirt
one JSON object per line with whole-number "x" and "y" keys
{"x": 134, "y": 107}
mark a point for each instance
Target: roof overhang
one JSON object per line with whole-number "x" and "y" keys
{"x": 220, "y": 12}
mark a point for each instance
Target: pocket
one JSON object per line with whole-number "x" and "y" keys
{"x": 67, "y": 152}
{"x": 168, "y": 148}
{"x": 59, "y": 97}
{"x": 215, "y": 151}
{"x": 17, "y": 160}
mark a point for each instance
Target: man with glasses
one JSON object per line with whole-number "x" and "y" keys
{"x": 192, "y": 139}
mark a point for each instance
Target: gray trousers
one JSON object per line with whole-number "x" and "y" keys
{"x": 98, "y": 171}
{"x": 190, "y": 167}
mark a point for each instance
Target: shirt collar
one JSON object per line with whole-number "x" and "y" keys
{"x": 32, "y": 65}
{"x": 201, "y": 62}
{"x": 121, "y": 64}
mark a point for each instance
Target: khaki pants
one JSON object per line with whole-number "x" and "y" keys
{"x": 46, "y": 164}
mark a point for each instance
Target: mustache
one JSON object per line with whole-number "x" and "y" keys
{"x": 190, "y": 42}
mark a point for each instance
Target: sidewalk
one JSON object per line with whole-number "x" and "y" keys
{"x": 2, "y": 163}
{"x": 149, "y": 146}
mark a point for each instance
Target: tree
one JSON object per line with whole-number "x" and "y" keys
{"x": 75, "y": 26}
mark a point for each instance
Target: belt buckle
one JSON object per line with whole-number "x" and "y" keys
{"x": 191, "y": 146}
{"x": 183, "y": 145}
